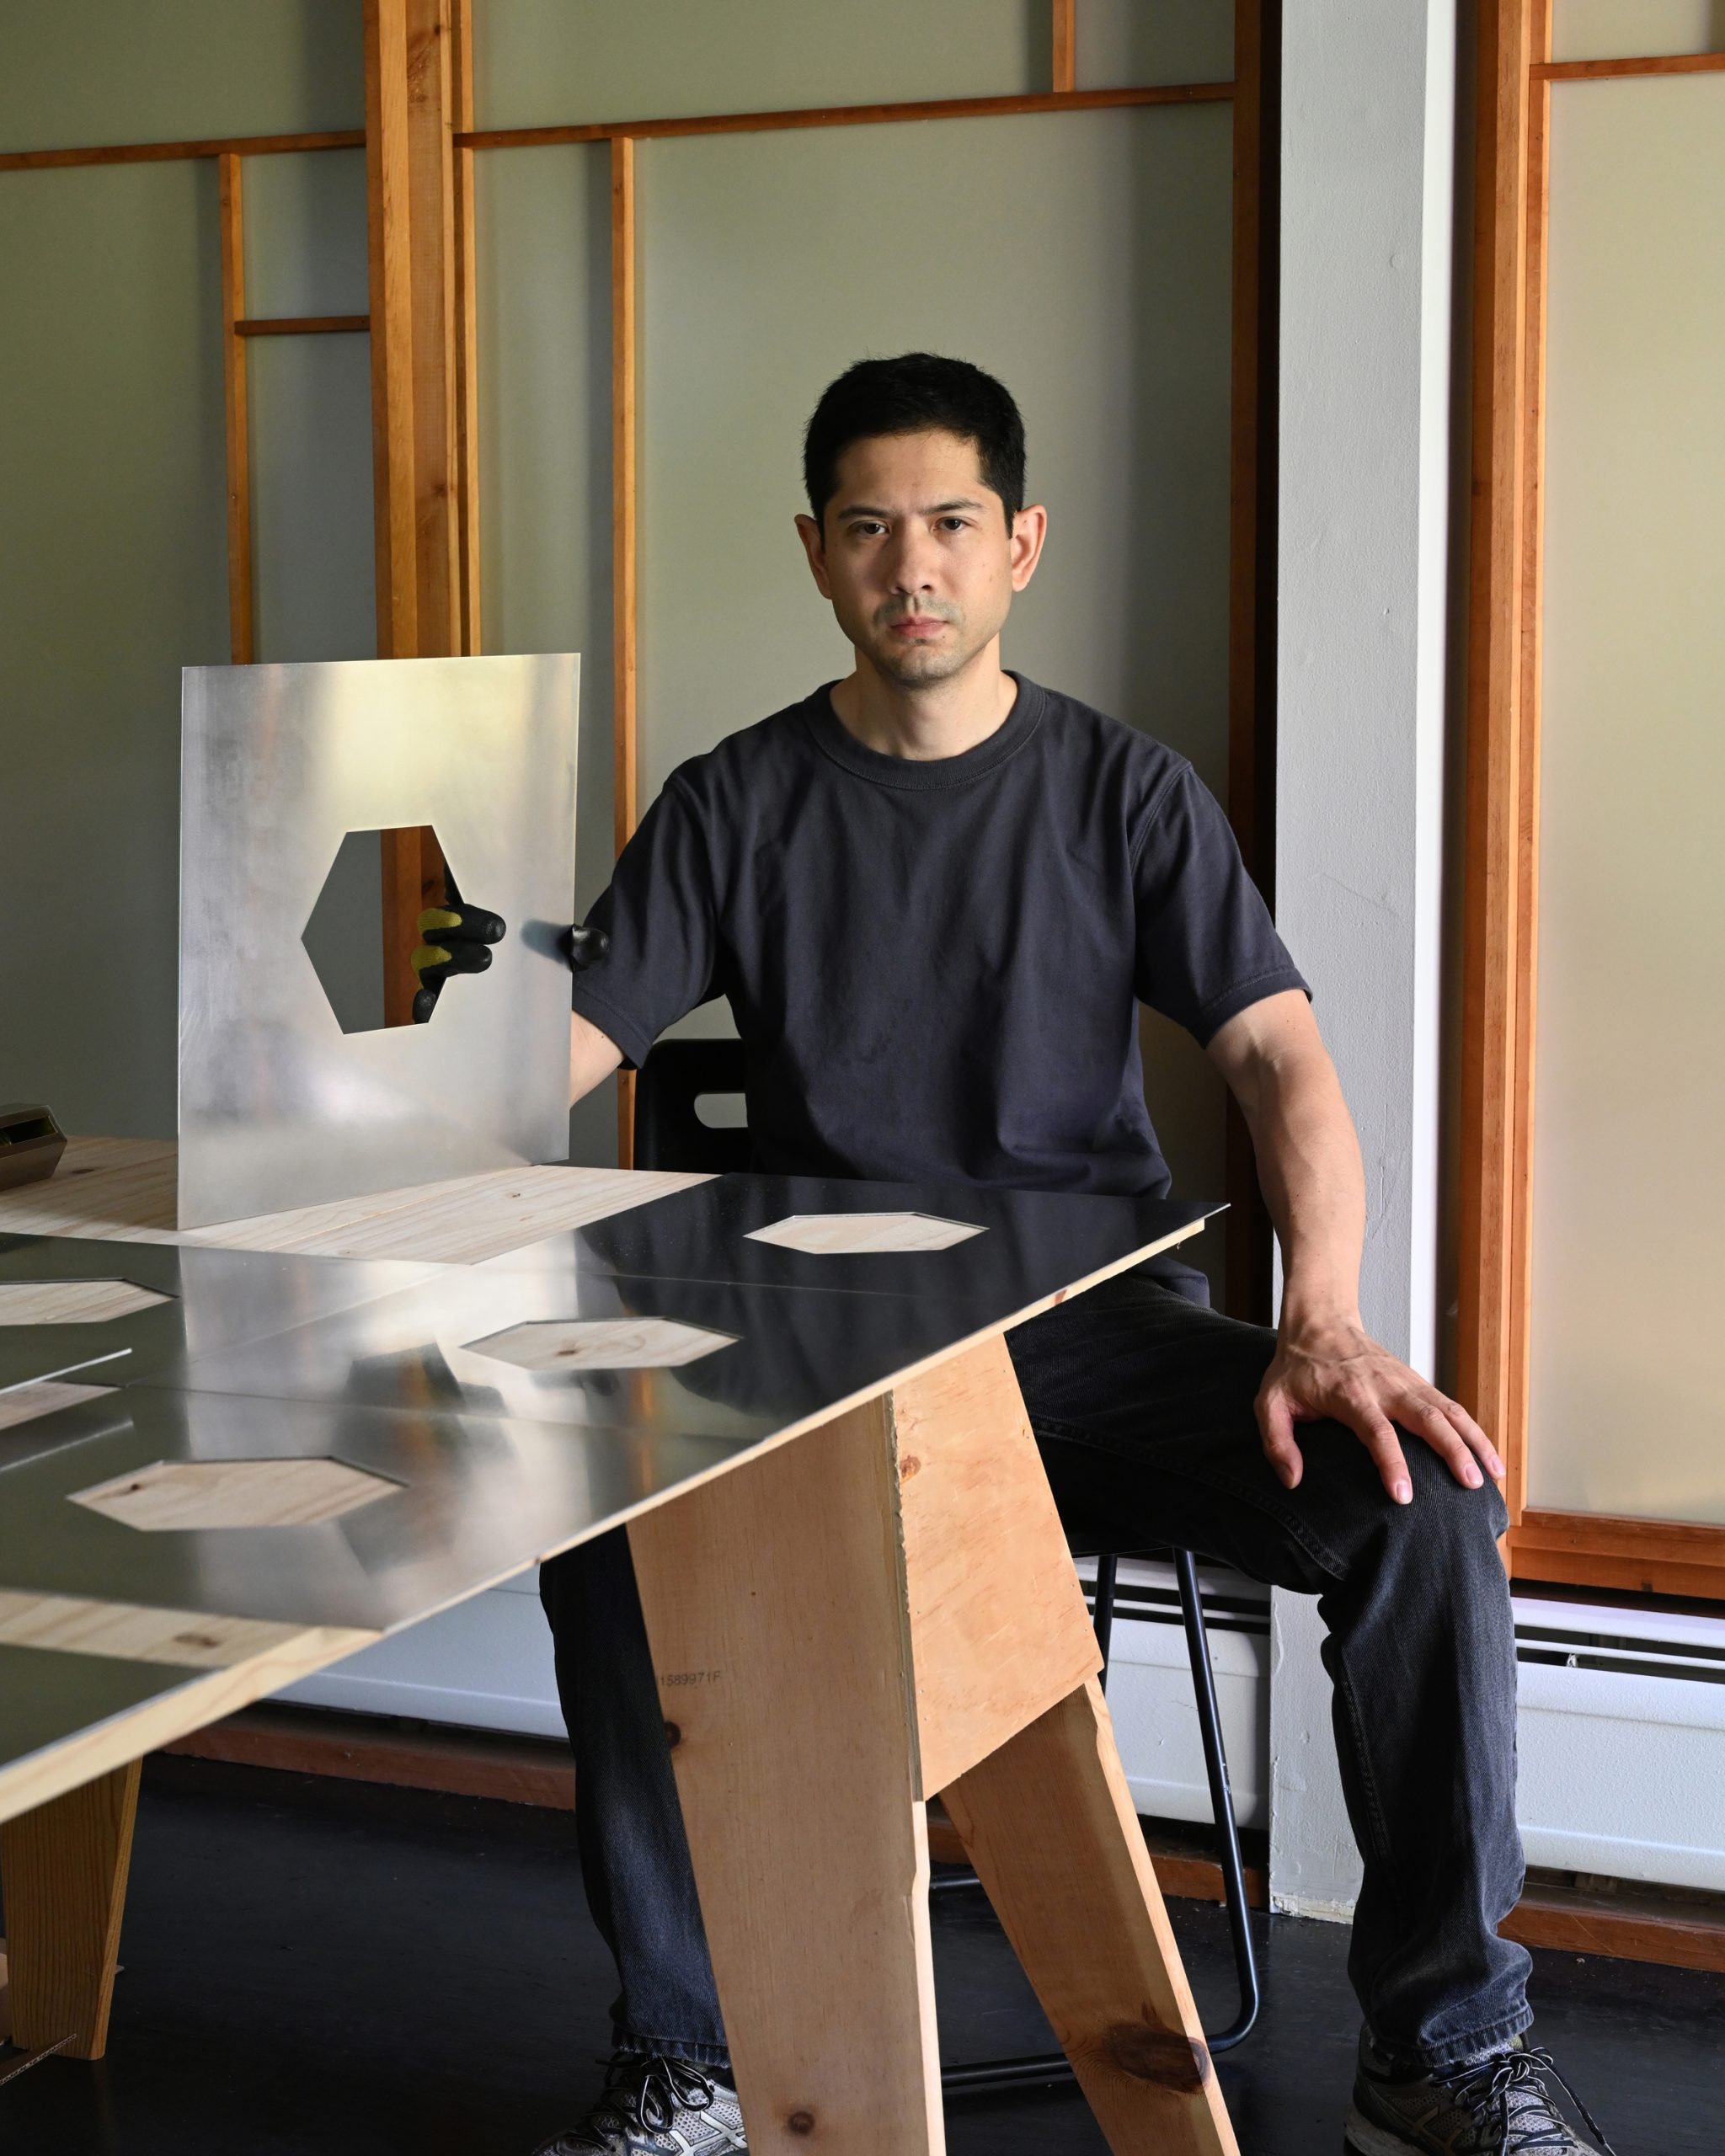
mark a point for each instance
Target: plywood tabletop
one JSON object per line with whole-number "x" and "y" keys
{"x": 122, "y": 1190}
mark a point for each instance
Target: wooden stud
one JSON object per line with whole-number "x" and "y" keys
{"x": 64, "y": 1867}
{"x": 1049, "y": 1824}
{"x": 1252, "y": 523}
{"x": 467, "y": 336}
{"x": 388, "y": 194}
{"x": 150, "y": 153}
{"x": 837, "y": 1625}
{"x": 625, "y": 541}
{"x": 302, "y": 325}
{"x": 230, "y": 211}
{"x": 999, "y": 1630}
{"x": 1597, "y": 71}
{"x": 846, "y": 116}
{"x": 1493, "y": 1193}
{"x": 775, "y": 1604}
{"x": 412, "y": 880}
{"x": 431, "y": 279}
{"x": 1063, "y": 75}
{"x": 1646, "y": 1557}
{"x": 1524, "y": 1018}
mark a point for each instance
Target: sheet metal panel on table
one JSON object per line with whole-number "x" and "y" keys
{"x": 484, "y": 1467}
{"x": 278, "y": 1107}
{"x": 217, "y": 1299}
{"x": 1034, "y": 1245}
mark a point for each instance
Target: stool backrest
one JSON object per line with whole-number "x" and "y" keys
{"x": 669, "y": 1132}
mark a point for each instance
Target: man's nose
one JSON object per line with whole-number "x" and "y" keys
{"x": 911, "y": 561}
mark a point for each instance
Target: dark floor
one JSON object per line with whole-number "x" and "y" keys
{"x": 316, "y": 1968}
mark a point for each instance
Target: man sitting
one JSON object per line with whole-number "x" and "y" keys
{"x": 933, "y": 895}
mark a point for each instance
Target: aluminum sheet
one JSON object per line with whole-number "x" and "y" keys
{"x": 47, "y": 1696}
{"x": 792, "y": 1355}
{"x": 1034, "y": 1243}
{"x": 278, "y": 1107}
{"x": 468, "y": 1501}
{"x": 217, "y": 1299}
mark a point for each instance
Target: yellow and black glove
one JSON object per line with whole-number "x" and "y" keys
{"x": 458, "y": 939}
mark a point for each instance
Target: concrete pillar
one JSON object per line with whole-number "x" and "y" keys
{"x": 1368, "y": 198}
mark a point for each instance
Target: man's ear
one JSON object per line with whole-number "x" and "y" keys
{"x": 814, "y": 547}
{"x": 1029, "y": 530}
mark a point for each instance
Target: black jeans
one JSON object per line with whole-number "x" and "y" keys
{"x": 1142, "y": 1405}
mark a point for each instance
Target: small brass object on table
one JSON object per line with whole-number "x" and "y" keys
{"x": 31, "y": 1144}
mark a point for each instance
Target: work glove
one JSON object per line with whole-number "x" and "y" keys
{"x": 457, "y": 939}
{"x": 583, "y": 947}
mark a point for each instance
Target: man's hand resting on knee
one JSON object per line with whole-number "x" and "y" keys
{"x": 1326, "y": 1364}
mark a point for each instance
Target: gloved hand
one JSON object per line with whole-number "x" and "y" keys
{"x": 457, "y": 940}
{"x": 583, "y": 947}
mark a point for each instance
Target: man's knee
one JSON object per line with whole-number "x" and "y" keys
{"x": 1446, "y": 1519}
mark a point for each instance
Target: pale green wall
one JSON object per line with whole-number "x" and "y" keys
{"x": 112, "y": 487}
{"x": 111, "y": 500}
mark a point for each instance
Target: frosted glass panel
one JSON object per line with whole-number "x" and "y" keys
{"x": 1629, "y": 1155}
{"x": 540, "y": 62}
{"x": 1616, "y": 29}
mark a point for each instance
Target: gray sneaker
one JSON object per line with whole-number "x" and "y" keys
{"x": 656, "y": 2107}
{"x": 1498, "y": 2104}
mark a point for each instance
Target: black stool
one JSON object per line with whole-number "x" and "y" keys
{"x": 669, "y": 1135}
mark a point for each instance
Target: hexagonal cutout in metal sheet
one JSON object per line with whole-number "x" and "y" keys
{"x": 845, "y": 1235}
{"x": 348, "y": 934}
{"x": 175, "y": 1496}
{"x": 74, "y": 1302}
{"x": 605, "y": 1343}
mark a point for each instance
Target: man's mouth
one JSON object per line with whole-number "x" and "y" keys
{"x": 916, "y": 625}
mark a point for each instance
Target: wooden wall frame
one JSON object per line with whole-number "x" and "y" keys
{"x": 420, "y": 144}
{"x": 1501, "y": 814}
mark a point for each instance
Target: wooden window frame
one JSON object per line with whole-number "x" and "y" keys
{"x": 1501, "y": 827}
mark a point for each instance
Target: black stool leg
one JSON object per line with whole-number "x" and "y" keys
{"x": 1221, "y": 1798}
{"x": 1108, "y": 1578}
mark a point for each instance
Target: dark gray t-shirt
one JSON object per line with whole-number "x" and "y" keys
{"x": 934, "y": 966}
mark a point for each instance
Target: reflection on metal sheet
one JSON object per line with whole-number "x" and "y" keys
{"x": 477, "y": 1498}
{"x": 780, "y": 1356}
{"x": 278, "y": 1107}
{"x": 46, "y": 1696}
{"x": 1036, "y": 1243}
{"x": 212, "y": 1299}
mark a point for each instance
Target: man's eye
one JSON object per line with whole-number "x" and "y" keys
{"x": 954, "y": 523}
{"x": 866, "y": 531}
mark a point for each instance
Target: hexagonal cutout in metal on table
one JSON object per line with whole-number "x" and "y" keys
{"x": 74, "y": 1302}
{"x": 843, "y": 1235}
{"x": 609, "y": 1344}
{"x": 176, "y": 1495}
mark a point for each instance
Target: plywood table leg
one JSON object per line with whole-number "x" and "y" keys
{"x": 776, "y": 1609}
{"x": 64, "y": 1869}
{"x": 1048, "y": 1824}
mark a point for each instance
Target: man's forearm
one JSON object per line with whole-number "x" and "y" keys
{"x": 1308, "y": 1156}
{"x": 593, "y": 1056}
{"x": 1314, "y": 1184}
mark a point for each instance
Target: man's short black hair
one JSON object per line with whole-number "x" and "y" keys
{"x": 915, "y": 394}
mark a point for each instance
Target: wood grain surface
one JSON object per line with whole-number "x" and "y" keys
{"x": 122, "y": 1190}
{"x": 1048, "y": 1822}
